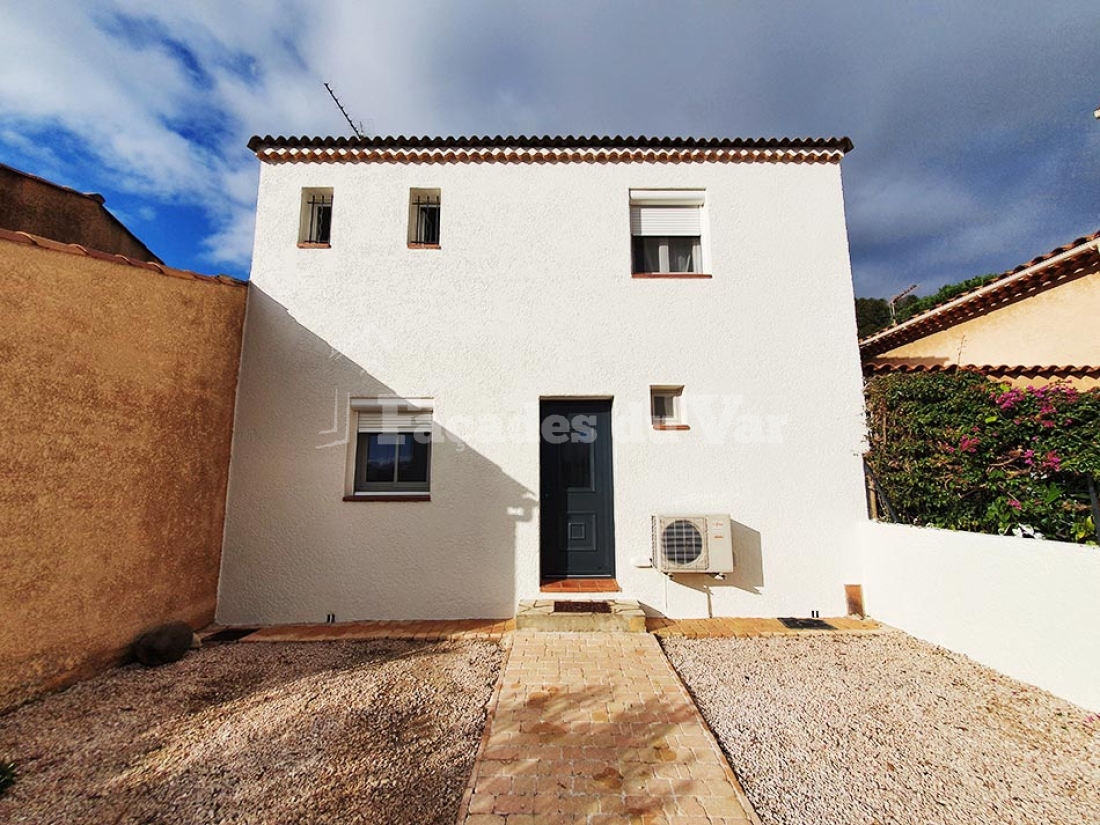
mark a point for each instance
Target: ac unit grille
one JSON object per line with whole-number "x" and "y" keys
{"x": 692, "y": 543}
{"x": 681, "y": 542}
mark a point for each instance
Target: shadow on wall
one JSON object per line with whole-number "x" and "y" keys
{"x": 296, "y": 552}
{"x": 747, "y": 574}
{"x": 748, "y": 559}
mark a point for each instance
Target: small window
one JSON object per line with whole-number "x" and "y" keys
{"x": 665, "y": 409}
{"x": 393, "y": 451}
{"x": 315, "y": 227}
{"x": 424, "y": 218}
{"x": 666, "y": 230}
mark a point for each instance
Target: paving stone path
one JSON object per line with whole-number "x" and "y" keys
{"x": 597, "y": 728}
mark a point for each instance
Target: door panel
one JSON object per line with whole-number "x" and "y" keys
{"x": 577, "y": 498}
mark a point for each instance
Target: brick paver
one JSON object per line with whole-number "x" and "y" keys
{"x": 597, "y": 728}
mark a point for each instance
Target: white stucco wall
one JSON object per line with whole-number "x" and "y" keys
{"x": 531, "y": 296}
{"x": 1024, "y": 607}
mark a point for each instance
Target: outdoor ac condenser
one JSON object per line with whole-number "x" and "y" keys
{"x": 692, "y": 544}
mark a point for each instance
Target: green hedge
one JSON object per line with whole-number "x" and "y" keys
{"x": 954, "y": 450}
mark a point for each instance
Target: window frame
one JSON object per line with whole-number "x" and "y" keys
{"x": 415, "y": 238}
{"x": 673, "y": 395}
{"x": 387, "y": 417}
{"x": 664, "y": 266}
{"x": 361, "y": 486}
{"x": 669, "y": 202}
{"x": 308, "y": 236}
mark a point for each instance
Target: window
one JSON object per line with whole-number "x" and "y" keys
{"x": 315, "y": 227}
{"x": 666, "y": 229}
{"x": 424, "y": 218}
{"x": 664, "y": 405}
{"x": 393, "y": 450}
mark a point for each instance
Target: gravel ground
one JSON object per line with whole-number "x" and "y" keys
{"x": 886, "y": 729}
{"x": 341, "y": 732}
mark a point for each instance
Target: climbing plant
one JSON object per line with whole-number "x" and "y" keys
{"x": 957, "y": 451}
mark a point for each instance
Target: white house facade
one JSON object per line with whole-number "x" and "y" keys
{"x": 475, "y": 366}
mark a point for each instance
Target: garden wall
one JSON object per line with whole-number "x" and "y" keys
{"x": 1025, "y": 607}
{"x": 116, "y": 413}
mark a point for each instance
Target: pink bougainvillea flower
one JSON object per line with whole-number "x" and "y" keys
{"x": 968, "y": 444}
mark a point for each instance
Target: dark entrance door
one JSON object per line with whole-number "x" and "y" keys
{"x": 577, "y": 518}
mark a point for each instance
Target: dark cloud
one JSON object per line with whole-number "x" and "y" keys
{"x": 976, "y": 148}
{"x": 975, "y": 143}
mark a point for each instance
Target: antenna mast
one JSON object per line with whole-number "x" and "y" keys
{"x": 893, "y": 301}
{"x": 357, "y": 129}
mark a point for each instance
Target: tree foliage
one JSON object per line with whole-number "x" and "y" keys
{"x": 906, "y": 310}
{"x": 873, "y": 314}
{"x": 953, "y": 450}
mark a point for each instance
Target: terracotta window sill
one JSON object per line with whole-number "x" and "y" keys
{"x": 384, "y": 497}
{"x": 684, "y": 275}
{"x": 304, "y": 245}
{"x": 671, "y": 427}
{"x": 423, "y": 245}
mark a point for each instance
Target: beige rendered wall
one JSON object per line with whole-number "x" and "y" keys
{"x": 1052, "y": 328}
{"x": 29, "y": 204}
{"x": 116, "y": 411}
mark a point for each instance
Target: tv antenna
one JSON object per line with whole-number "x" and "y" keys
{"x": 357, "y": 129}
{"x": 893, "y": 301}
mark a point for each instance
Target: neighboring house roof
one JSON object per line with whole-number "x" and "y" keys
{"x": 1056, "y": 267}
{"x": 990, "y": 370}
{"x": 66, "y": 215}
{"x": 546, "y": 149}
{"x": 27, "y": 239}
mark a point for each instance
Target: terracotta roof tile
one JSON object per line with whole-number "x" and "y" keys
{"x": 842, "y": 144}
{"x": 546, "y": 149}
{"x": 28, "y": 239}
{"x": 1076, "y": 259}
{"x": 996, "y": 370}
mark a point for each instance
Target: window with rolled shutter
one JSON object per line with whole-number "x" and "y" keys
{"x": 393, "y": 448}
{"x": 667, "y": 231}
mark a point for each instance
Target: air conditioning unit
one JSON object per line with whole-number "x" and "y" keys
{"x": 692, "y": 544}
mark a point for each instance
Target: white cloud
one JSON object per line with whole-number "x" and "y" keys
{"x": 955, "y": 111}
{"x": 233, "y": 242}
{"x": 139, "y": 110}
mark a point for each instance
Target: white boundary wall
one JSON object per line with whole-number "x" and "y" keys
{"x": 1027, "y": 608}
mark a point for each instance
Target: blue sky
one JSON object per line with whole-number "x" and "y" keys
{"x": 976, "y": 147}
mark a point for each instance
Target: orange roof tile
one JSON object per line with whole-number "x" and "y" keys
{"x": 995, "y": 370}
{"x": 545, "y": 149}
{"x": 1066, "y": 263}
{"x": 76, "y": 249}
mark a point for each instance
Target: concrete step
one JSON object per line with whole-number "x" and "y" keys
{"x": 571, "y": 615}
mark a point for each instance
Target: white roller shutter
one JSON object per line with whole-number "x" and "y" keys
{"x": 667, "y": 197}
{"x": 665, "y": 220}
{"x": 391, "y": 415}
{"x": 390, "y": 422}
